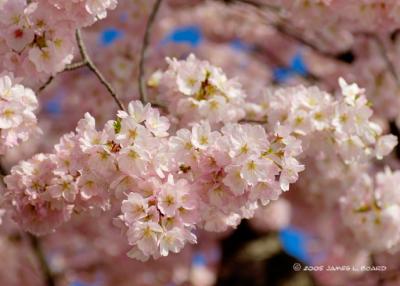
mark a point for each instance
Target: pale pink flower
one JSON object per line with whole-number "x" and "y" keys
{"x": 134, "y": 207}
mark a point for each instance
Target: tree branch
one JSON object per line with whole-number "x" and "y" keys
{"x": 38, "y": 251}
{"x": 87, "y": 61}
{"x": 143, "y": 52}
{"x": 47, "y": 83}
{"x": 255, "y": 4}
{"x": 253, "y": 121}
{"x": 69, "y": 67}
{"x": 75, "y": 66}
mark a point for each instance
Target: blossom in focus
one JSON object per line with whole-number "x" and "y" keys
{"x": 18, "y": 105}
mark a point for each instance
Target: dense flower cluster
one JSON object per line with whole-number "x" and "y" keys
{"x": 343, "y": 124}
{"x": 17, "y": 117}
{"x": 36, "y": 210}
{"x": 371, "y": 209}
{"x": 198, "y": 177}
{"x": 37, "y": 39}
{"x": 195, "y": 90}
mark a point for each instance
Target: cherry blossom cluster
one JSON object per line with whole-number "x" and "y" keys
{"x": 37, "y": 39}
{"x": 214, "y": 180}
{"x": 198, "y": 177}
{"x": 45, "y": 190}
{"x": 34, "y": 207}
{"x": 17, "y": 118}
{"x": 371, "y": 209}
{"x": 342, "y": 123}
{"x": 194, "y": 89}
{"x": 235, "y": 168}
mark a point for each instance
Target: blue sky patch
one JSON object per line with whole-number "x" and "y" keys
{"x": 296, "y": 67}
{"x": 294, "y": 242}
{"x": 191, "y": 35}
{"x": 110, "y": 35}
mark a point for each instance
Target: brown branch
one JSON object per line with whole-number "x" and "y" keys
{"x": 44, "y": 266}
{"x": 87, "y": 61}
{"x": 253, "y": 121}
{"x": 46, "y": 84}
{"x": 69, "y": 67}
{"x": 255, "y": 4}
{"x": 143, "y": 52}
{"x": 75, "y": 66}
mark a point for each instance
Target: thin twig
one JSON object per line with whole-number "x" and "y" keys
{"x": 143, "y": 52}
{"x": 75, "y": 66}
{"x": 69, "y": 67}
{"x": 87, "y": 61}
{"x": 253, "y": 121}
{"x": 38, "y": 251}
{"x": 255, "y": 4}
{"x": 46, "y": 84}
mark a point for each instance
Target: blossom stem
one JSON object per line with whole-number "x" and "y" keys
{"x": 69, "y": 67}
{"x": 87, "y": 61}
{"x": 144, "y": 51}
{"x": 254, "y": 4}
{"x": 47, "y": 83}
{"x": 75, "y": 66}
{"x": 38, "y": 251}
{"x": 253, "y": 121}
